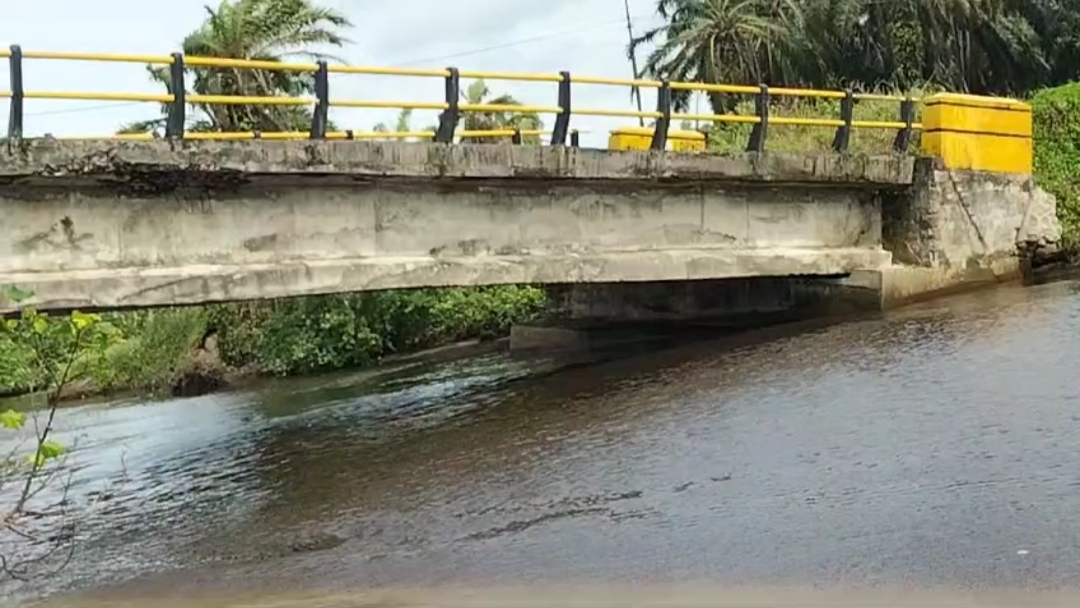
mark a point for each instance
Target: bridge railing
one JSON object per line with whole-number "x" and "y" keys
{"x": 451, "y": 108}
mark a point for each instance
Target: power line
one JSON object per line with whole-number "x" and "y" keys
{"x": 497, "y": 47}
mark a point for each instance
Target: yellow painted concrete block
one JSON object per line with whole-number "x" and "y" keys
{"x": 978, "y": 133}
{"x": 640, "y": 138}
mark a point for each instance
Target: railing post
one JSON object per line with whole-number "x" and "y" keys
{"x": 760, "y": 132}
{"x": 842, "y": 140}
{"x": 177, "y": 116}
{"x": 349, "y": 135}
{"x": 449, "y": 118}
{"x": 663, "y": 106}
{"x": 907, "y": 116}
{"x": 562, "y": 121}
{"x": 516, "y": 137}
{"x": 575, "y": 138}
{"x": 15, "y": 114}
{"x": 321, "y": 114}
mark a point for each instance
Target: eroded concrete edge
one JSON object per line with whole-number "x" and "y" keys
{"x": 49, "y": 157}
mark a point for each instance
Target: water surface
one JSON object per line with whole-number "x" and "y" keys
{"x": 934, "y": 448}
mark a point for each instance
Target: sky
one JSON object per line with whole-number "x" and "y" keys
{"x": 586, "y": 37}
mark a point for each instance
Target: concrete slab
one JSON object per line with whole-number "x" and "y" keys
{"x": 163, "y": 164}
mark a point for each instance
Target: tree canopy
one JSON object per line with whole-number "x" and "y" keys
{"x": 976, "y": 46}
{"x": 264, "y": 30}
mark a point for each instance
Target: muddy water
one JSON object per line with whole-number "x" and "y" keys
{"x": 936, "y": 448}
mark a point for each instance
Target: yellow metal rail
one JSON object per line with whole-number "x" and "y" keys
{"x": 833, "y": 109}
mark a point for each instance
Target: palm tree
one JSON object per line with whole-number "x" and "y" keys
{"x": 263, "y": 30}
{"x": 981, "y": 46}
{"x": 722, "y": 41}
{"x": 477, "y": 93}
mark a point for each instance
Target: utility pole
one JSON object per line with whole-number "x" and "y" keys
{"x": 635, "y": 91}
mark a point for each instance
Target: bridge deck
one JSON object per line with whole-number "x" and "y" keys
{"x": 117, "y": 224}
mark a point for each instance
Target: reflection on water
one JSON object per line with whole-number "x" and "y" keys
{"x": 925, "y": 447}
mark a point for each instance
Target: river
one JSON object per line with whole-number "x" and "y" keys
{"x": 931, "y": 448}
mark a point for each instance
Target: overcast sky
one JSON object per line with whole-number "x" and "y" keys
{"x": 586, "y": 37}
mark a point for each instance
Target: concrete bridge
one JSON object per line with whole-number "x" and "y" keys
{"x": 121, "y": 224}
{"x": 109, "y": 224}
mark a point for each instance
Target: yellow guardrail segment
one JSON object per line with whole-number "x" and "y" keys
{"x": 730, "y": 118}
{"x": 805, "y": 122}
{"x": 379, "y": 71}
{"x": 878, "y": 97}
{"x": 102, "y": 96}
{"x": 876, "y": 124}
{"x": 220, "y": 136}
{"x": 518, "y": 76}
{"x": 246, "y": 99}
{"x": 249, "y": 64}
{"x": 397, "y": 105}
{"x": 104, "y": 57}
{"x": 812, "y": 93}
{"x": 378, "y": 135}
{"x": 294, "y": 135}
{"x": 715, "y": 88}
{"x": 618, "y": 82}
{"x": 225, "y": 62}
{"x": 504, "y": 107}
{"x": 618, "y": 113}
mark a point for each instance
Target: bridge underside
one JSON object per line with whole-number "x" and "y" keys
{"x": 79, "y": 242}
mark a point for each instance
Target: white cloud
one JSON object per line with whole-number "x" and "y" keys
{"x": 583, "y": 36}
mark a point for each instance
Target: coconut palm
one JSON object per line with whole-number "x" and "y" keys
{"x": 721, "y": 41}
{"x": 982, "y": 46}
{"x": 264, "y": 30}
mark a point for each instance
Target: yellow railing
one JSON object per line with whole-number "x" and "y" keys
{"x": 451, "y": 108}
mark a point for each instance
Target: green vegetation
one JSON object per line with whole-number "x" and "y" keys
{"x": 162, "y": 350}
{"x": 1057, "y": 151}
{"x": 304, "y": 335}
{"x": 43, "y": 354}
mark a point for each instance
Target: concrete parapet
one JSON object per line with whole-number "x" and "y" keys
{"x": 969, "y": 132}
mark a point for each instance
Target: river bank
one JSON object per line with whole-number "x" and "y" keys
{"x": 201, "y": 349}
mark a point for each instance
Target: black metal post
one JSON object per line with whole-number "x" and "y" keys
{"x": 349, "y": 134}
{"x": 177, "y": 116}
{"x": 575, "y": 138}
{"x": 663, "y": 124}
{"x": 842, "y": 139}
{"x": 516, "y": 137}
{"x": 449, "y": 118}
{"x": 15, "y": 114}
{"x": 321, "y": 114}
{"x": 903, "y": 136}
{"x": 562, "y": 121}
{"x": 760, "y": 132}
